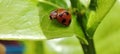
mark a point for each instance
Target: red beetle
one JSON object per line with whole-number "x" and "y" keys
{"x": 62, "y": 16}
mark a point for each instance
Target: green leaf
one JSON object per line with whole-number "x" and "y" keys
{"x": 53, "y": 29}
{"x": 95, "y": 17}
{"x": 61, "y": 3}
{"x": 107, "y": 37}
{"x": 19, "y": 20}
{"x": 107, "y": 34}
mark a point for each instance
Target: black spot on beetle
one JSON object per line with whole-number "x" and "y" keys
{"x": 60, "y": 15}
{"x": 67, "y": 13}
{"x": 63, "y": 21}
{"x": 50, "y": 17}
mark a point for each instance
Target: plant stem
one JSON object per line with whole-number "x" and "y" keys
{"x": 84, "y": 46}
{"x": 91, "y": 46}
{"x": 87, "y": 48}
{"x": 93, "y": 4}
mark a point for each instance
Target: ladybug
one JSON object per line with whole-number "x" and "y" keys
{"x": 62, "y": 16}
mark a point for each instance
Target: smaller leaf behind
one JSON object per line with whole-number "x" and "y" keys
{"x": 95, "y": 17}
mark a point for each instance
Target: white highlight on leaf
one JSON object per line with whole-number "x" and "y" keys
{"x": 85, "y": 2}
{"x": 21, "y": 37}
{"x": 68, "y": 3}
{"x": 119, "y": 0}
{"x": 54, "y": 44}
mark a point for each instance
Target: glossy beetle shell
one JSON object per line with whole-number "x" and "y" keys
{"x": 62, "y": 16}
